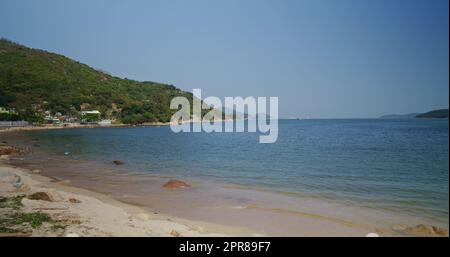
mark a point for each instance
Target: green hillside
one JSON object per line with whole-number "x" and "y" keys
{"x": 34, "y": 81}
{"x": 438, "y": 114}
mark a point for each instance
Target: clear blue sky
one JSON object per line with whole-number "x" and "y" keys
{"x": 323, "y": 59}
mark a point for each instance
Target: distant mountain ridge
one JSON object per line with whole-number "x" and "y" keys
{"x": 437, "y": 114}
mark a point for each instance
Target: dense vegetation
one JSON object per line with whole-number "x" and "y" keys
{"x": 440, "y": 114}
{"x": 10, "y": 117}
{"x": 34, "y": 81}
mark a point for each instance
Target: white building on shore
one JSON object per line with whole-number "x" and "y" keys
{"x": 94, "y": 112}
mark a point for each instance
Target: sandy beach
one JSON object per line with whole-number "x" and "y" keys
{"x": 86, "y": 213}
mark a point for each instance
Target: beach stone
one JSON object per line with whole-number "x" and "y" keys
{"x": 73, "y": 200}
{"x": 175, "y": 184}
{"x": 9, "y": 150}
{"x": 41, "y": 196}
{"x": 36, "y": 171}
{"x": 117, "y": 162}
{"x": 174, "y": 233}
{"x": 426, "y": 230}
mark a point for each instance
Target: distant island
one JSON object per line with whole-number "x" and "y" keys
{"x": 435, "y": 114}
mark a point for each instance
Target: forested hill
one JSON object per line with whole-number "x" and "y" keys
{"x": 437, "y": 114}
{"x": 34, "y": 81}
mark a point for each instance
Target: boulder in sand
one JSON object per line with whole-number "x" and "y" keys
{"x": 117, "y": 162}
{"x": 73, "y": 200}
{"x": 426, "y": 230}
{"x": 175, "y": 184}
{"x": 9, "y": 150}
{"x": 41, "y": 196}
{"x": 174, "y": 233}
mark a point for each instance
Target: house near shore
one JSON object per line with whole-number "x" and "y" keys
{"x": 94, "y": 112}
{"x": 67, "y": 119}
{"x": 51, "y": 120}
{"x": 90, "y": 116}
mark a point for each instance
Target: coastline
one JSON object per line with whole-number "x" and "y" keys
{"x": 132, "y": 213}
{"x": 74, "y": 126}
{"x": 77, "y": 125}
{"x": 88, "y": 213}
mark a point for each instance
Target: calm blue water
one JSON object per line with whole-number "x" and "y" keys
{"x": 398, "y": 165}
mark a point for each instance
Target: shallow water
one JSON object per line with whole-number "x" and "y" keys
{"x": 376, "y": 172}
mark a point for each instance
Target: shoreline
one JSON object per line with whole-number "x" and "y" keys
{"x": 89, "y": 213}
{"x": 76, "y": 126}
{"x": 310, "y": 220}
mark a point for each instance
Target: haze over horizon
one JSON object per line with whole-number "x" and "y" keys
{"x": 323, "y": 59}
